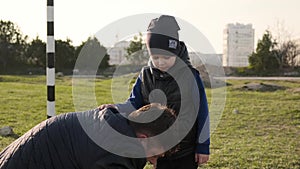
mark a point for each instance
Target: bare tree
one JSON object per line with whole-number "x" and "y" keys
{"x": 290, "y": 50}
{"x": 280, "y": 32}
{"x": 286, "y": 48}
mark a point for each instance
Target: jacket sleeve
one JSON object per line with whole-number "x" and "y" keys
{"x": 203, "y": 133}
{"x": 135, "y": 100}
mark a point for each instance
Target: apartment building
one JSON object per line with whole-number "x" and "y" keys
{"x": 238, "y": 44}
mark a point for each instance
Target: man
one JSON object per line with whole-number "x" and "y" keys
{"x": 91, "y": 140}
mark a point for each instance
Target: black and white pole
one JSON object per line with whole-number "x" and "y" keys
{"x": 50, "y": 50}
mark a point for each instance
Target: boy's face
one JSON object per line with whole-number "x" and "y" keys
{"x": 163, "y": 62}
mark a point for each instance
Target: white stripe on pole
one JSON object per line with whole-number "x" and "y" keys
{"x": 50, "y": 77}
{"x": 50, "y": 44}
{"x": 51, "y": 108}
{"x": 50, "y": 14}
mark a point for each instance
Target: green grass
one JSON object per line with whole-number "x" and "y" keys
{"x": 264, "y": 134}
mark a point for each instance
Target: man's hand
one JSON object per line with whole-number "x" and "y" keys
{"x": 201, "y": 158}
{"x": 103, "y": 106}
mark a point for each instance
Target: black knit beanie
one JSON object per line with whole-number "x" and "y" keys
{"x": 162, "y": 36}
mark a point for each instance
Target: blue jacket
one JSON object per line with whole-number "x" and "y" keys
{"x": 136, "y": 101}
{"x": 73, "y": 141}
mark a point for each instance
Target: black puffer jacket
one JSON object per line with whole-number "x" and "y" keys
{"x": 63, "y": 143}
{"x": 174, "y": 89}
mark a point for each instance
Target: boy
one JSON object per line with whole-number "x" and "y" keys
{"x": 171, "y": 80}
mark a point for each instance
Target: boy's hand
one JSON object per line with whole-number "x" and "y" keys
{"x": 201, "y": 158}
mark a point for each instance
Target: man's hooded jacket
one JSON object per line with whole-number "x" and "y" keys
{"x": 72, "y": 141}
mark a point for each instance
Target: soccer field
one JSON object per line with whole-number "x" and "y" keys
{"x": 256, "y": 129}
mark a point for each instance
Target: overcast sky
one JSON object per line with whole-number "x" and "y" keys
{"x": 77, "y": 20}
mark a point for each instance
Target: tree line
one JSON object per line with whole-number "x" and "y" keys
{"x": 274, "y": 57}
{"x": 18, "y": 56}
